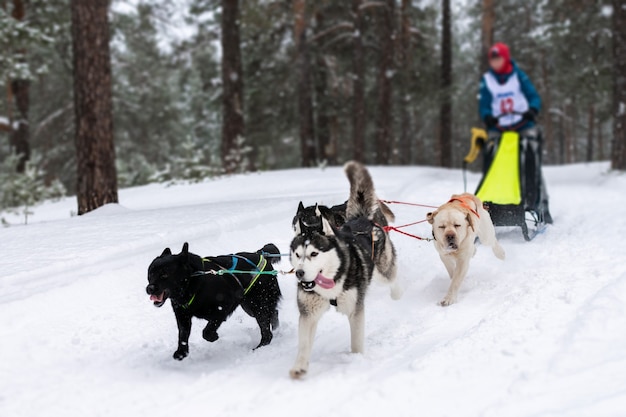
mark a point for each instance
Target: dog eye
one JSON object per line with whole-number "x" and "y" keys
{"x": 297, "y": 255}
{"x": 442, "y": 227}
{"x": 314, "y": 254}
{"x": 457, "y": 226}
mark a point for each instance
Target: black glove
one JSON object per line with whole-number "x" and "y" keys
{"x": 530, "y": 115}
{"x": 490, "y": 121}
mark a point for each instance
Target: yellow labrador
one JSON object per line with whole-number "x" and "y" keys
{"x": 456, "y": 225}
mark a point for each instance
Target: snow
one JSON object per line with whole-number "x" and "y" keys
{"x": 540, "y": 334}
{"x": 6, "y": 122}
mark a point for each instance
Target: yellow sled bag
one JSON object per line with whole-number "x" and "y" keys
{"x": 501, "y": 184}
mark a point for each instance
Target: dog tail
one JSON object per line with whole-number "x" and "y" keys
{"x": 363, "y": 201}
{"x": 271, "y": 252}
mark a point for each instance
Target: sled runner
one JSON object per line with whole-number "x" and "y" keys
{"x": 512, "y": 188}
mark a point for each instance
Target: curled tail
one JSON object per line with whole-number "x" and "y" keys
{"x": 271, "y": 252}
{"x": 363, "y": 201}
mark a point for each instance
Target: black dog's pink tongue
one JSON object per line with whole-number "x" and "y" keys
{"x": 157, "y": 298}
{"x": 324, "y": 282}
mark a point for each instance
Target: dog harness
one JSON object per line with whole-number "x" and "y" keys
{"x": 465, "y": 204}
{"x": 258, "y": 270}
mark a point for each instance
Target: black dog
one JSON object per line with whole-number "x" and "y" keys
{"x": 212, "y": 288}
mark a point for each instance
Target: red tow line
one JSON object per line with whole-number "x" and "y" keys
{"x": 397, "y": 228}
{"x": 408, "y": 204}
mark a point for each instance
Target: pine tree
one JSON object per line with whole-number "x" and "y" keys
{"x": 233, "y": 124}
{"x": 97, "y": 177}
{"x": 618, "y": 159}
{"x": 445, "y": 112}
{"x": 21, "y": 191}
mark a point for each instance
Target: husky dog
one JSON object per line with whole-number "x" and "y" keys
{"x": 308, "y": 219}
{"x": 335, "y": 266}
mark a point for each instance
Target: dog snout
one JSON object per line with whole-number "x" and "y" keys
{"x": 300, "y": 273}
{"x": 151, "y": 289}
{"x": 450, "y": 238}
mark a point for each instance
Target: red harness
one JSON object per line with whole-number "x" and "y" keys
{"x": 465, "y": 204}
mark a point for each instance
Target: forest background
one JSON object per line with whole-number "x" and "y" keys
{"x": 208, "y": 87}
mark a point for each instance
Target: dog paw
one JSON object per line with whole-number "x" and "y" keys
{"x": 181, "y": 354}
{"x": 210, "y": 336}
{"x": 396, "y": 292}
{"x": 446, "y": 302}
{"x": 297, "y": 373}
{"x": 264, "y": 342}
{"x": 499, "y": 251}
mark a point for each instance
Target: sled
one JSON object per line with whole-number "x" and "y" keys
{"x": 512, "y": 188}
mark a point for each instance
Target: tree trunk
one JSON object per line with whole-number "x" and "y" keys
{"x": 548, "y": 136}
{"x": 560, "y": 152}
{"x": 327, "y": 149}
{"x": 358, "y": 84}
{"x": 618, "y": 154}
{"x": 590, "y": 132}
{"x": 573, "y": 152}
{"x": 384, "y": 131}
{"x": 95, "y": 151}
{"x": 305, "y": 95}
{"x": 569, "y": 133}
{"x": 233, "y": 126}
{"x": 19, "y": 140}
{"x": 403, "y": 155}
{"x": 445, "y": 112}
{"x": 486, "y": 34}
{"x": 20, "y": 135}
{"x": 600, "y": 141}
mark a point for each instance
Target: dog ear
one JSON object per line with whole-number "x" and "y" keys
{"x": 318, "y": 213}
{"x": 167, "y": 251}
{"x": 470, "y": 221}
{"x": 325, "y": 211}
{"x": 300, "y": 207}
{"x": 384, "y": 208}
{"x": 431, "y": 216}
{"x": 327, "y": 229}
{"x": 298, "y": 226}
{"x": 185, "y": 250}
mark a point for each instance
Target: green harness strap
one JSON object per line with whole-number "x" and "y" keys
{"x": 186, "y": 306}
{"x": 259, "y": 269}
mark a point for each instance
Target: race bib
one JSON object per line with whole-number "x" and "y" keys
{"x": 507, "y": 99}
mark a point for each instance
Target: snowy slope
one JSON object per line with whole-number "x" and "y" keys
{"x": 541, "y": 334}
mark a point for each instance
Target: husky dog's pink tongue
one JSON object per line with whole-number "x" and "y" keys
{"x": 324, "y": 282}
{"x": 157, "y": 298}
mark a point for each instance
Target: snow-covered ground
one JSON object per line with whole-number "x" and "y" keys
{"x": 540, "y": 334}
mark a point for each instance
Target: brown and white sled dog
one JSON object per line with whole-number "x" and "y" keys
{"x": 456, "y": 225}
{"x": 335, "y": 266}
